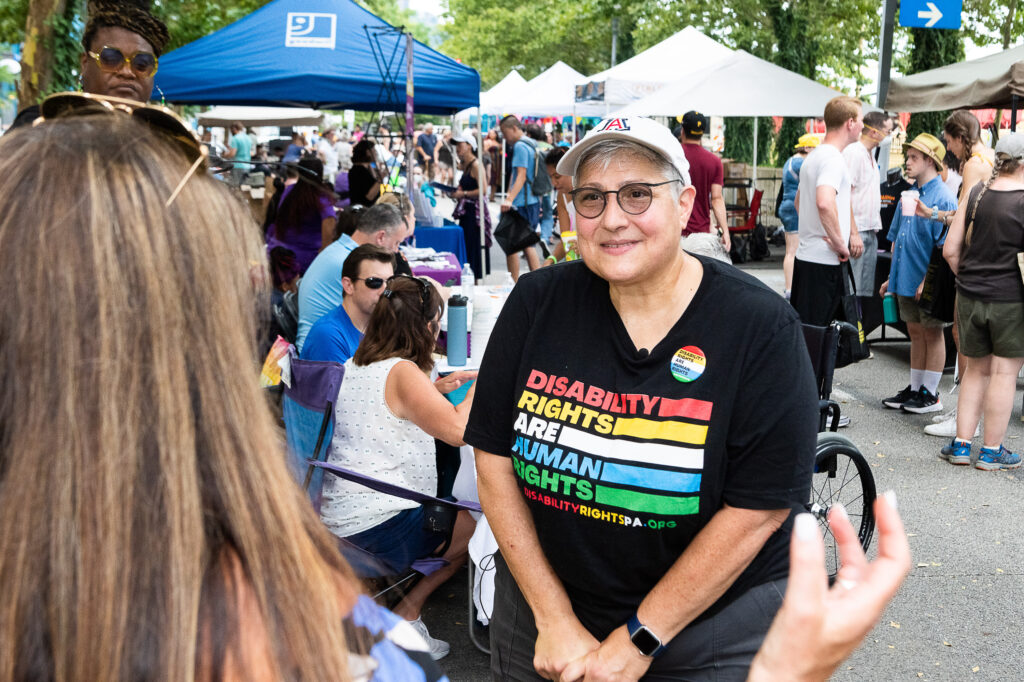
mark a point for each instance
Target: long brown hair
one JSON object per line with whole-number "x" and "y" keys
{"x": 964, "y": 126}
{"x": 142, "y": 480}
{"x": 402, "y": 324}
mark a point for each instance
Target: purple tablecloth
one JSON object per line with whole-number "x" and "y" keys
{"x": 449, "y": 275}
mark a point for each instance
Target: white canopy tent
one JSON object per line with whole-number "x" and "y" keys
{"x": 688, "y": 51}
{"x": 551, "y": 93}
{"x": 741, "y": 85}
{"x": 508, "y": 89}
{"x": 224, "y": 116}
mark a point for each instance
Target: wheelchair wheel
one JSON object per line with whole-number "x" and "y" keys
{"x": 842, "y": 475}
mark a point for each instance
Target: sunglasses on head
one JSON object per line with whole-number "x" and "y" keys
{"x": 160, "y": 120}
{"x": 111, "y": 59}
{"x": 424, "y": 291}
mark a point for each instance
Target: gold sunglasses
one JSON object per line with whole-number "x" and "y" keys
{"x": 110, "y": 59}
{"x": 159, "y": 119}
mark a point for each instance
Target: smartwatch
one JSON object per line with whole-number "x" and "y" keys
{"x": 645, "y": 641}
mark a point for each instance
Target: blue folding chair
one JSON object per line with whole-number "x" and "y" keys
{"x": 308, "y": 411}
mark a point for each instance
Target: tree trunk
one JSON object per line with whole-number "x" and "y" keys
{"x": 37, "y": 59}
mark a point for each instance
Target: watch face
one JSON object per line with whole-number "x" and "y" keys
{"x": 644, "y": 640}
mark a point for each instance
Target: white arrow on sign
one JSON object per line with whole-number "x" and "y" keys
{"x": 932, "y": 14}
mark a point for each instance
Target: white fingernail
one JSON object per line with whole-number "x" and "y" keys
{"x": 890, "y": 497}
{"x": 846, "y": 584}
{"x": 805, "y": 527}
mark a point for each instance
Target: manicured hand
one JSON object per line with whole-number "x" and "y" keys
{"x": 616, "y": 660}
{"x": 454, "y": 380}
{"x": 817, "y": 626}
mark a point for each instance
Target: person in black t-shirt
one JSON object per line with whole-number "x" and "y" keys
{"x": 644, "y": 425}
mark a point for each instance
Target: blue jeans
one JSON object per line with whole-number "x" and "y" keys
{"x": 547, "y": 217}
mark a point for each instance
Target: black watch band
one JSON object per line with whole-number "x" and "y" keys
{"x": 645, "y": 641}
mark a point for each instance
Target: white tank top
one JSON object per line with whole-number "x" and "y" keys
{"x": 371, "y": 440}
{"x": 570, "y": 210}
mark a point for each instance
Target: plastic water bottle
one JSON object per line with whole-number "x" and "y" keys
{"x": 468, "y": 280}
{"x": 508, "y": 284}
{"x": 457, "y": 339}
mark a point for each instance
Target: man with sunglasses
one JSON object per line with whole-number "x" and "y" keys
{"x": 321, "y": 289}
{"x": 866, "y": 196}
{"x": 336, "y": 335}
{"x": 122, "y": 43}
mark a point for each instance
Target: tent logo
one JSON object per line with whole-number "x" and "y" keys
{"x": 612, "y": 124}
{"x": 311, "y": 29}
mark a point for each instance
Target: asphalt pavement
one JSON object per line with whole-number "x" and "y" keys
{"x": 957, "y": 616}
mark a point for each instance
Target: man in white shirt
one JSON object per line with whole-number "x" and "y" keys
{"x": 866, "y": 196}
{"x": 823, "y": 204}
{"x": 325, "y": 149}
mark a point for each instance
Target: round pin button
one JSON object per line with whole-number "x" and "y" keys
{"x": 688, "y": 364}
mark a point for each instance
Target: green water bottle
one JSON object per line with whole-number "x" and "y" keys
{"x": 890, "y": 312}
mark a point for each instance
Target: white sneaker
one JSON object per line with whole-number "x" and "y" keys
{"x": 437, "y": 648}
{"x": 946, "y": 426}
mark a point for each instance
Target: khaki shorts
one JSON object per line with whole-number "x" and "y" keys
{"x": 910, "y": 311}
{"x": 990, "y": 328}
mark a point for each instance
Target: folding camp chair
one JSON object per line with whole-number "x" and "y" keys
{"x": 308, "y": 411}
{"x": 741, "y": 234}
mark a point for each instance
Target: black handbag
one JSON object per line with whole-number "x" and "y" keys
{"x": 852, "y": 345}
{"x": 513, "y": 232}
{"x": 938, "y": 295}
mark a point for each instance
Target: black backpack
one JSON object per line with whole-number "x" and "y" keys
{"x": 541, "y": 180}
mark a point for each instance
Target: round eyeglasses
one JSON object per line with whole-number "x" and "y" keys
{"x": 634, "y": 198}
{"x": 112, "y": 59}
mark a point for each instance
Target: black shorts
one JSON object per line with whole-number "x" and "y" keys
{"x": 719, "y": 648}
{"x": 817, "y": 293}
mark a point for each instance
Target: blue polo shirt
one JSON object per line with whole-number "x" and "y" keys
{"x": 320, "y": 289}
{"x": 913, "y": 237}
{"x": 333, "y": 338}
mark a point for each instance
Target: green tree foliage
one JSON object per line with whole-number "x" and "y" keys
{"x": 932, "y": 48}
{"x": 531, "y": 35}
{"x": 993, "y": 22}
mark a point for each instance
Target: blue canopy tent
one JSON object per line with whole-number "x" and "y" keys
{"x": 325, "y": 54}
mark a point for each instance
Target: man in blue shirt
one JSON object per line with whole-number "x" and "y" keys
{"x": 320, "y": 289}
{"x": 520, "y": 195}
{"x": 336, "y": 335}
{"x": 239, "y": 149}
{"x": 913, "y": 237}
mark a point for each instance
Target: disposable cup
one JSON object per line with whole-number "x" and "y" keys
{"x": 909, "y": 202}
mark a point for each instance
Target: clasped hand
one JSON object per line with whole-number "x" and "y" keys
{"x": 449, "y": 383}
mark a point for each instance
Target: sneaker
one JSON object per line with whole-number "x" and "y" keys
{"x": 436, "y": 647}
{"x": 991, "y": 459}
{"x": 945, "y": 426}
{"x": 924, "y": 401}
{"x": 896, "y": 402}
{"x": 957, "y": 452}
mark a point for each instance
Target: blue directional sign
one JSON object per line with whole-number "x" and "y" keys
{"x": 931, "y": 13}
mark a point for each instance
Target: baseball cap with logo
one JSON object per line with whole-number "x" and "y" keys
{"x": 1011, "y": 146}
{"x": 642, "y": 131}
{"x": 694, "y": 123}
{"x": 930, "y": 146}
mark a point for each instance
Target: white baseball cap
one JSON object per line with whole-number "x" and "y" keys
{"x": 644, "y": 131}
{"x": 468, "y": 137}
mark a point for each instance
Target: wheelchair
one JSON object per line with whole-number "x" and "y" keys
{"x": 841, "y": 473}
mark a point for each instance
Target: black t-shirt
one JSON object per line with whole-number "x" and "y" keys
{"x": 892, "y": 189}
{"x": 988, "y": 267}
{"x": 360, "y": 181}
{"x": 623, "y": 457}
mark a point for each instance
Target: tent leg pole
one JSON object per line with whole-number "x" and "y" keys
{"x": 485, "y": 188}
{"x": 1013, "y": 115}
{"x": 753, "y": 171}
{"x": 503, "y": 192}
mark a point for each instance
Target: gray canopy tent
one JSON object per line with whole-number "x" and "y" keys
{"x": 996, "y": 81}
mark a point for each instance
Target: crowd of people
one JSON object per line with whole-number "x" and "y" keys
{"x": 177, "y": 546}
